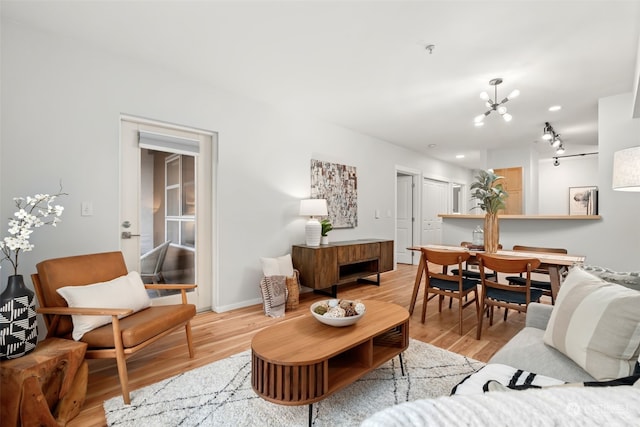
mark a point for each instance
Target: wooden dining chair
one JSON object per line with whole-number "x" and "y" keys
{"x": 468, "y": 272}
{"x": 441, "y": 283}
{"x": 503, "y": 295}
{"x": 545, "y": 285}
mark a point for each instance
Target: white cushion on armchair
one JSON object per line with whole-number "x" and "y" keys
{"x": 123, "y": 292}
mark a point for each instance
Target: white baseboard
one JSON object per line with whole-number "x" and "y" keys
{"x": 242, "y": 304}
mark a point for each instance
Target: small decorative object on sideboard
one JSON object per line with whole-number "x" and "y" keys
{"x": 326, "y": 228}
{"x": 18, "y": 325}
{"x": 335, "y": 312}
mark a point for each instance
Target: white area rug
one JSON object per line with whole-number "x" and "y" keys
{"x": 220, "y": 394}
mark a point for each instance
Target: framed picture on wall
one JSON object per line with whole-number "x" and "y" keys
{"x": 338, "y": 184}
{"x": 583, "y": 200}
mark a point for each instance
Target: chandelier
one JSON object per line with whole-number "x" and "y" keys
{"x": 549, "y": 134}
{"x": 494, "y": 105}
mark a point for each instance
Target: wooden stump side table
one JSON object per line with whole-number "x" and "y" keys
{"x": 46, "y": 387}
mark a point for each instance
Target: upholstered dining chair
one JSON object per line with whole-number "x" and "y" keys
{"x": 443, "y": 284}
{"x": 545, "y": 285}
{"x": 109, "y": 332}
{"x": 495, "y": 294}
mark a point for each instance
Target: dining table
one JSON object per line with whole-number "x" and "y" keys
{"x": 554, "y": 262}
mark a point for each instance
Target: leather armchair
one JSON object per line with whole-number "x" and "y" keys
{"x": 123, "y": 336}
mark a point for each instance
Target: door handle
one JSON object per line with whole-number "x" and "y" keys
{"x": 128, "y": 235}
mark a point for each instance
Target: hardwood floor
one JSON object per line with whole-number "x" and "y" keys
{"x": 219, "y": 335}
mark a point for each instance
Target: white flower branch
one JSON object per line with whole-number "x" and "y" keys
{"x": 33, "y": 212}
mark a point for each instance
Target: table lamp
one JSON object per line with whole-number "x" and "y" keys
{"x": 626, "y": 169}
{"x": 313, "y": 208}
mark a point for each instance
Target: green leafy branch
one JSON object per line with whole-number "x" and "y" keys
{"x": 491, "y": 196}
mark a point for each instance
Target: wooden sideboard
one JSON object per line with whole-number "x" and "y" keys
{"x": 327, "y": 266}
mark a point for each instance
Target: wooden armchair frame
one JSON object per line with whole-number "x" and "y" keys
{"x": 142, "y": 328}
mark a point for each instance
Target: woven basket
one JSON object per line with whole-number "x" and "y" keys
{"x": 293, "y": 288}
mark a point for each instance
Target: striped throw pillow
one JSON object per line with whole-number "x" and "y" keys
{"x": 596, "y": 324}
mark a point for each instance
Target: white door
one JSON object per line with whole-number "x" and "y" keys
{"x": 166, "y": 192}
{"x": 434, "y": 202}
{"x": 404, "y": 219}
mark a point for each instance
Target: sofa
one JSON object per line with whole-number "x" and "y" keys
{"x": 527, "y": 350}
{"x": 590, "y": 337}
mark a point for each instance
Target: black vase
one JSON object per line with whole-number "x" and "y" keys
{"x": 18, "y": 323}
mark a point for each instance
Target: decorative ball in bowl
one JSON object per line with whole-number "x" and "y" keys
{"x": 338, "y": 312}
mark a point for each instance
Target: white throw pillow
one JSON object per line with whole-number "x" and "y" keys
{"x": 281, "y": 266}
{"x": 123, "y": 292}
{"x": 596, "y": 324}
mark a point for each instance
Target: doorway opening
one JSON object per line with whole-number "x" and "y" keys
{"x": 407, "y": 204}
{"x": 435, "y": 201}
{"x": 167, "y": 217}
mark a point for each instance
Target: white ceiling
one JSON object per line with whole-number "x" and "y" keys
{"x": 363, "y": 64}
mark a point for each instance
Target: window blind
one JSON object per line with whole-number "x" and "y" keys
{"x": 168, "y": 143}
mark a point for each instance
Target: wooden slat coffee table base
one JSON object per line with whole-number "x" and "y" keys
{"x": 293, "y": 385}
{"x": 302, "y": 361}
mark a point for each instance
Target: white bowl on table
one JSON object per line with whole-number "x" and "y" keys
{"x": 335, "y": 321}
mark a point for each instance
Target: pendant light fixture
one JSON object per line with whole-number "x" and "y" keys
{"x": 626, "y": 169}
{"x": 494, "y": 105}
{"x": 549, "y": 134}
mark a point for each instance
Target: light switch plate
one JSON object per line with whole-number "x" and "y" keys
{"x": 86, "y": 209}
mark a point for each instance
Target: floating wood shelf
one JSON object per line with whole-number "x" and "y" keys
{"x": 536, "y": 217}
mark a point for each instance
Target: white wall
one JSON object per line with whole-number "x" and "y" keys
{"x": 526, "y": 158}
{"x": 613, "y": 241}
{"x": 553, "y": 195}
{"x": 61, "y": 102}
{"x": 618, "y": 239}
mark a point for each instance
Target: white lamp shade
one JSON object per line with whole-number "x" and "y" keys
{"x": 626, "y": 169}
{"x": 313, "y": 207}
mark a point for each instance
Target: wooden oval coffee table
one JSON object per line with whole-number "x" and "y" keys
{"x": 302, "y": 361}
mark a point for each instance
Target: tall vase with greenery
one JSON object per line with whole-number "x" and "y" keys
{"x": 491, "y": 198}
{"x": 18, "y": 326}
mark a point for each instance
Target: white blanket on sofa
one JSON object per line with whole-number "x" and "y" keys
{"x": 505, "y": 375}
{"x": 555, "y": 406}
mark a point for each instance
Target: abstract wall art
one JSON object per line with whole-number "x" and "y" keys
{"x": 338, "y": 184}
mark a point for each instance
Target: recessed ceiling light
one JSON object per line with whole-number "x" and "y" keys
{"x": 479, "y": 124}
{"x": 432, "y": 145}
{"x": 459, "y": 156}
{"x": 555, "y": 108}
